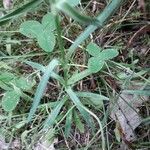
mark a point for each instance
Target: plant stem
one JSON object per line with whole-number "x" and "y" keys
{"x": 61, "y": 47}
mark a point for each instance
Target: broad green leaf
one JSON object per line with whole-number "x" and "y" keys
{"x": 93, "y": 49}
{"x": 48, "y": 22}
{"x": 95, "y": 64}
{"x": 53, "y": 115}
{"x": 31, "y": 29}
{"x": 47, "y": 41}
{"x": 108, "y": 54}
{"x": 78, "y": 122}
{"x": 68, "y": 124}
{"x": 10, "y": 100}
{"x": 41, "y": 87}
{"x": 24, "y": 83}
{"x": 6, "y": 76}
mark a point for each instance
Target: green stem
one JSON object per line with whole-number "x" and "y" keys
{"x": 77, "y": 77}
{"x": 103, "y": 18}
{"x": 61, "y": 47}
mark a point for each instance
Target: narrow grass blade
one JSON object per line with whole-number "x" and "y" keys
{"x": 79, "y": 76}
{"x": 68, "y": 124}
{"x": 53, "y": 115}
{"x": 138, "y": 92}
{"x": 23, "y": 9}
{"x": 36, "y": 65}
{"x": 43, "y": 69}
{"x": 83, "y": 110}
{"x": 92, "y": 95}
{"x": 80, "y": 106}
{"x": 73, "y": 13}
{"x": 41, "y": 87}
{"x": 102, "y": 18}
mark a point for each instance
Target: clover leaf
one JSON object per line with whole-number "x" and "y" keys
{"x": 96, "y": 62}
{"x": 42, "y": 32}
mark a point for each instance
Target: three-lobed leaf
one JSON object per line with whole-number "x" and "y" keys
{"x": 96, "y": 62}
{"x": 42, "y": 32}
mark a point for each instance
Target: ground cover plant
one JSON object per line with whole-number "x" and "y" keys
{"x": 74, "y": 74}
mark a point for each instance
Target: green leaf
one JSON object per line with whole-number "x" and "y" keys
{"x": 93, "y": 99}
{"x": 31, "y": 29}
{"x": 47, "y": 41}
{"x": 93, "y": 49}
{"x": 41, "y": 87}
{"x": 138, "y": 92}
{"x": 6, "y": 76}
{"x": 10, "y": 100}
{"x": 53, "y": 115}
{"x": 80, "y": 107}
{"x": 108, "y": 54}
{"x": 24, "y": 83}
{"x": 48, "y": 22}
{"x": 68, "y": 124}
{"x": 95, "y": 65}
{"x": 103, "y": 18}
{"x": 78, "y": 122}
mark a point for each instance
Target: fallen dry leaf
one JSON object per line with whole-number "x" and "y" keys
{"x": 125, "y": 111}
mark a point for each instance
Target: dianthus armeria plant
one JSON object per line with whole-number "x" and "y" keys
{"x": 48, "y": 34}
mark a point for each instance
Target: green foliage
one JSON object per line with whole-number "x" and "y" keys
{"x": 96, "y": 62}
{"x": 74, "y": 102}
{"x": 43, "y": 33}
{"x": 14, "y": 87}
{"x": 10, "y": 100}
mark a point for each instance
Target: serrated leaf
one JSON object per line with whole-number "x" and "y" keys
{"x": 48, "y": 22}
{"x": 10, "y": 100}
{"x": 93, "y": 49}
{"x": 95, "y": 65}
{"x": 108, "y": 54}
{"x": 47, "y": 41}
{"x": 31, "y": 28}
{"x": 24, "y": 83}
